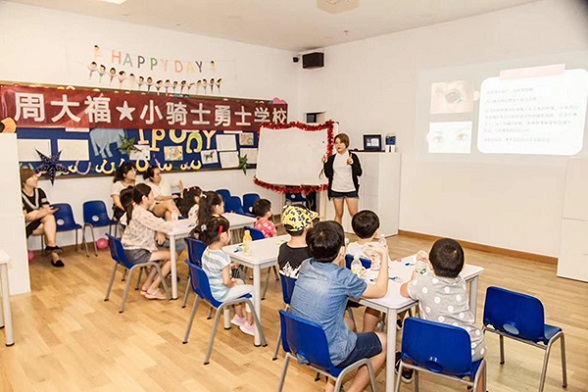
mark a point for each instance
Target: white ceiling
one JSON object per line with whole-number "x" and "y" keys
{"x": 295, "y": 25}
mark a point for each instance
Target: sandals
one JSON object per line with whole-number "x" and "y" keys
{"x": 51, "y": 249}
{"x": 57, "y": 264}
{"x": 156, "y": 295}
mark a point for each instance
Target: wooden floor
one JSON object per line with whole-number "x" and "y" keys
{"x": 69, "y": 339}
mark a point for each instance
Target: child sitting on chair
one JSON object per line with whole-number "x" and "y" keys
{"x": 366, "y": 225}
{"x": 217, "y": 265}
{"x": 262, "y": 209}
{"x": 141, "y": 234}
{"x": 321, "y": 277}
{"x": 442, "y": 293}
{"x": 188, "y": 204}
{"x": 297, "y": 221}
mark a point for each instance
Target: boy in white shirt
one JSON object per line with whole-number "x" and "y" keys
{"x": 365, "y": 225}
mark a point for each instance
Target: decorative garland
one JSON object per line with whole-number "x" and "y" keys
{"x": 304, "y": 189}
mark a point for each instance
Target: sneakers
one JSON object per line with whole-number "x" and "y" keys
{"x": 406, "y": 373}
{"x": 238, "y": 320}
{"x": 247, "y": 328}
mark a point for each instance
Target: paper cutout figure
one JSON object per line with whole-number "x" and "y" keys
{"x": 173, "y": 153}
{"x": 102, "y": 138}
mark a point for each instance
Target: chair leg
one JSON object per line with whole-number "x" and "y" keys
{"x": 126, "y": 294}
{"x": 212, "y": 334}
{"x": 189, "y": 328}
{"x": 266, "y": 284}
{"x": 77, "y": 248}
{"x": 124, "y": 277}
{"x": 186, "y": 293}
{"x": 416, "y": 380}
{"x": 139, "y": 278}
{"x": 277, "y": 345}
{"x": 501, "y": 349}
{"x": 111, "y": 281}
{"x": 84, "y": 242}
{"x": 94, "y": 241}
{"x": 559, "y": 335}
{"x": 276, "y": 273}
{"x": 284, "y": 370}
{"x": 398, "y": 377}
{"x": 209, "y": 314}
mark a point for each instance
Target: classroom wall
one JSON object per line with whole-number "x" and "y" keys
{"x": 39, "y": 45}
{"x": 370, "y": 86}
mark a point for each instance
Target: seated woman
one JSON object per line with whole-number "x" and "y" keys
{"x": 124, "y": 177}
{"x": 39, "y": 218}
{"x": 165, "y": 204}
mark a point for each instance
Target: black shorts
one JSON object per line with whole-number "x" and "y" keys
{"x": 32, "y": 227}
{"x": 368, "y": 345}
{"x": 343, "y": 195}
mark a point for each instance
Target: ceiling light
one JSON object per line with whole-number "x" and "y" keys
{"x": 114, "y": 1}
{"x": 337, "y": 6}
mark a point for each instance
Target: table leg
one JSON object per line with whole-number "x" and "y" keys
{"x": 174, "y": 267}
{"x": 6, "y": 305}
{"x": 257, "y": 298}
{"x": 474, "y": 295}
{"x": 391, "y": 352}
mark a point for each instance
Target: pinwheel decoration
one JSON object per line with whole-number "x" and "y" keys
{"x": 50, "y": 165}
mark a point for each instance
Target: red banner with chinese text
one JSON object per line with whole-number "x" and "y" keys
{"x": 44, "y": 107}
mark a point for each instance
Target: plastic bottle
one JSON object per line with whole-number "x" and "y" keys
{"x": 382, "y": 241}
{"x": 421, "y": 262}
{"x": 356, "y": 265}
{"x": 376, "y": 262}
{"x": 247, "y": 242}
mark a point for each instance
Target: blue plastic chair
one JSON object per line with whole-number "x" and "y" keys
{"x": 366, "y": 263}
{"x": 249, "y": 200}
{"x": 288, "y": 285}
{"x": 233, "y": 204}
{"x": 255, "y": 233}
{"x": 440, "y": 349}
{"x": 306, "y": 341}
{"x": 225, "y": 194}
{"x": 195, "y": 250}
{"x": 258, "y": 235}
{"x": 201, "y": 286}
{"x": 95, "y": 215}
{"x": 522, "y": 318}
{"x": 65, "y": 220}
{"x": 295, "y": 199}
{"x": 118, "y": 254}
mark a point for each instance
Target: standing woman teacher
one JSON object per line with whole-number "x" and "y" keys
{"x": 343, "y": 169}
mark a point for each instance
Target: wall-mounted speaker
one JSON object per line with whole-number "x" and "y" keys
{"x": 313, "y": 60}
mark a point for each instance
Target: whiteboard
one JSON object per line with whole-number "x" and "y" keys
{"x": 291, "y": 156}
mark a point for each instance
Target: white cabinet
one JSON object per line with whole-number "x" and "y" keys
{"x": 12, "y": 228}
{"x": 573, "y": 255}
{"x": 379, "y": 191}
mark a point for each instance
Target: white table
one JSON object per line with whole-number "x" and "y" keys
{"x": 264, "y": 254}
{"x": 5, "y": 315}
{"x": 183, "y": 227}
{"x": 393, "y": 303}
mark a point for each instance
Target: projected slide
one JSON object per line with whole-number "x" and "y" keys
{"x": 520, "y": 108}
{"x": 538, "y": 110}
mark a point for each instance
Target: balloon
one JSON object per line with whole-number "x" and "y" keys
{"x": 31, "y": 255}
{"x": 102, "y": 243}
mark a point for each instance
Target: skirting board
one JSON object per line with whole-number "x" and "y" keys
{"x": 485, "y": 248}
